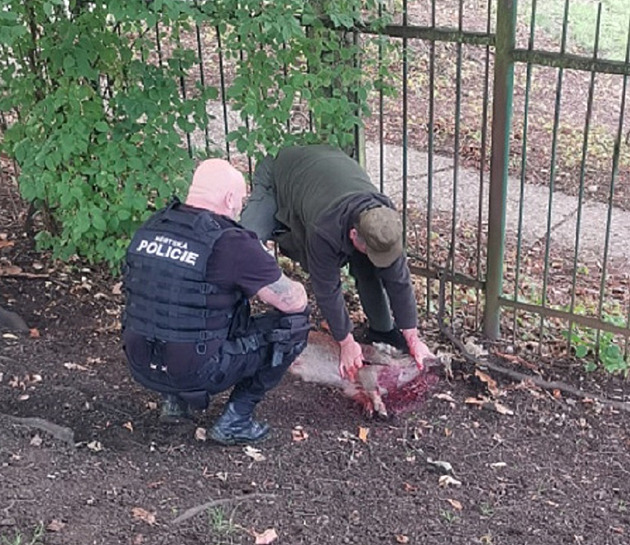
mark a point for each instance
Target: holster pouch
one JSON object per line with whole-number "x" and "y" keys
{"x": 239, "y": 326}
{"x": 289, "y": 338}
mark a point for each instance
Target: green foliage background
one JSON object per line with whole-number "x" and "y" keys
{"x": 95, "y": 115}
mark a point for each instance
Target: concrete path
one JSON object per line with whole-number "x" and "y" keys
{"x": 564, "y": 211}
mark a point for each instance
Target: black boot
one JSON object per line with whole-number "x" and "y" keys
{"x": 174, "y": 410}
{"x": 234, "y": 428}
{"x": 393, "y": 338}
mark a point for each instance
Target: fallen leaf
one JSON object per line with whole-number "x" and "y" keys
{"x": 475, "y": 401}
{"x": 409, "y": 487}
{"x": 129, "y": 426}
{"x": 152, "y": 405}
{"x": 9, "y": 336}
{"x": 502, "y": 409}
{"x": 95, "y": 446}
{"x": 23, "y": 397}
{"x": 400, "y": 538}
{"x": 117, "y": 289}
{"x": 74, "y": 367}
{"x": 55, "y": 525}
{"x": 456, "y": 505}
{"x": 557, "y": 393}
{"x": 268, "y": 536}
{"x": 201, "y": 434}
{"x": 448, "y": 432}
{"x": 363, "y": 433}
{"x": 298, "y": 434}
{"x": 444, "y": 397}
{"x": 475, "y": 349}
{"x": 447, "y": 480}
{"x": 6, "y": 243}
{"x": 144, "y": 515}
{"x": 445, "y": 467}
{"x": 254, "y": 453}
{"x": 34, "y": 333}
{"x": 36, "y": 441}
{"x": 490, "y": 383}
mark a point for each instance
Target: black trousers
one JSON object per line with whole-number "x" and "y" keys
{"x": 252, "y": 363}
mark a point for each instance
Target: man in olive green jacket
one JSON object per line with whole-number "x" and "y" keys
{"x": 320, "y": 206}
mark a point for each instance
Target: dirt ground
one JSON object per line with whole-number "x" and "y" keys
{"x": 534, "y": 466}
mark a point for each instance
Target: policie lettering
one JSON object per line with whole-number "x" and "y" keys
{"x": 168, "y": 248}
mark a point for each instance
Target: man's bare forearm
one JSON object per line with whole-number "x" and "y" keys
{"x": 285, "y": 294}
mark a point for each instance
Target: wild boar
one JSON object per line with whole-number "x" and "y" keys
{"x": 388, "y": 376}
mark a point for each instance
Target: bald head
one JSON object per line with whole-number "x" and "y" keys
{"x": 217, "y": 186}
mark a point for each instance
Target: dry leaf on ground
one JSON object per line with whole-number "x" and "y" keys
{"x": 444, "y": 397}
{"x": 144, "y": 515}
{"x": 298, "y": 434}
{"x": 266, "y": 537}
{"x": 363, "y": 434}
{"x": 74, "y": 366}
{"x": 490, "y": 383}
{"x": 445, "y": 467}
{"x": 447, "y": 480}
{"x": 55, "y": 526}
{"x": 201, "y": 434}
{"x": 400, "y": 538}
{"x": 95, "y": 446}
{"x": 456, "y": 504}
{"x": 254, "y": 453}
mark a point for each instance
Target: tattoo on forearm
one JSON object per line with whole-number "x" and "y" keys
{"x": 285, "y": 289}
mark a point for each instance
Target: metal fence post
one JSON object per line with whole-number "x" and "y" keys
{"x": 501, "y": 122}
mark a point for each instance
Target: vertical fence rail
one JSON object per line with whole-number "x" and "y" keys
{"x": 552, "y": 171}
{"x": 501, "y": 119}
{"x": 430, "y": 154}
{"x": 521, "y": 200}
{"x": 482, "y": 162}
{"x": 585, "y": 140}
{"x": 456, "y": 150}
{"x": 405, "y": 128}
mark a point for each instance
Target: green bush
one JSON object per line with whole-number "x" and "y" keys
{"x": 96, "y": 116}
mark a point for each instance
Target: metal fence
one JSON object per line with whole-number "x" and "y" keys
{"x": 510, "y": 156}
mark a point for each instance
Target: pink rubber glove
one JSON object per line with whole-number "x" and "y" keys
{"x": 350, "y": 358}
{"x": 417, "y": 348}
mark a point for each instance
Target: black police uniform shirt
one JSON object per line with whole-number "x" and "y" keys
{"x": 238, "y": 262}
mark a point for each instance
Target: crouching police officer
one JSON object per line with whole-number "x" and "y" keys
{"x": 189, "y": 274}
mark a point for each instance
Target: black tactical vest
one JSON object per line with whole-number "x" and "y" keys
{"x": 167, "y": 295}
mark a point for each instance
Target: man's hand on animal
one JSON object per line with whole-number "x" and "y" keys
{"x": 389, "y": 384}
{"x": 417, "y": 348}
{"x": 350, "y": 358}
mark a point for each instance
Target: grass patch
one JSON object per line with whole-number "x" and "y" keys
{"x": 582, "y": 22}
